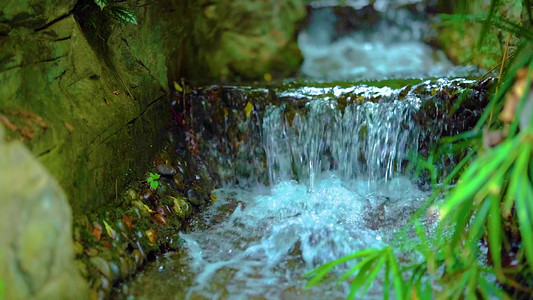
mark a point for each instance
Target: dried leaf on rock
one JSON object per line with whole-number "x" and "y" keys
{"x": 513, "y": 97}
{"x": 248, "y": 109}
{"x": 97, "y": 231}
{"x": 178, "y": 87}
{"x": 151, "y": 235}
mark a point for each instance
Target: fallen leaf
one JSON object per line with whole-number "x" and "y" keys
{"x": 151, "y": 235}
{"x": 97, "y": 230}
{"x": 248, "y": 109}
{"x": 4, "y": 120}
{"x": 514, "y": 96}
{"x": 106, "y": 244}
{"x": 70, "y": 128}
{"x": 110, "y": 231}
{"x": 178, "y": 87}
{"x": 494, "y": 137}
{"x": 27, "y": 133}
{"x": 143, "y": 206}
{"x": 127, "y": 220}
{"x": 213, "y": 197}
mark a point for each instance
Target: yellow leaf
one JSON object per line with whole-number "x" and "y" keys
{"x": 213, "y": 197}
{"x": 110, "y": 230}
{"x": 248, "y": 109}
{"x": 143, "y": 206}
{"x": 178, "y": 87}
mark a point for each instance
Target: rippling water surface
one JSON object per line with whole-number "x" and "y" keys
{"x": 256, "y": 243}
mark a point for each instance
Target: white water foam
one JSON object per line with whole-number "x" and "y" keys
{"x": 271, "y": 240}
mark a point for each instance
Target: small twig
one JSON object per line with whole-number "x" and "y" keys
{"x": 495, "y": 66}
{"x": 502, "y": 66}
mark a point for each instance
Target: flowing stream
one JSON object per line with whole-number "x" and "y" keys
{"x": 337, "y": 173}
{"x": 338, "y": 186}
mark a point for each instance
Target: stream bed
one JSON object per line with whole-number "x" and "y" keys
{"x": 256, "y": 243}
{"x": 340, "y": 184}
{"x": 338, "y": 170}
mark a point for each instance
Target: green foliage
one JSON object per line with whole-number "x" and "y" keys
{"x": 101, "y": 3}
{"x": 371, "y": 262}
{"x": 125, "y": 15}
{"x": 491, "y": 204}
{"x": 117, "y": 12}
{"x": 2, "y": 290}
{"x": 153, "y": 180}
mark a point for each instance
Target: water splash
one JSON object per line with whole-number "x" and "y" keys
{"x": 269, "y": 241}
{"x": 349, "y": 196}
{"x": 346, "y": 147}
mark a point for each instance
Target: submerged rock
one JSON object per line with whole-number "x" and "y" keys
{"x": 195, "y": 197}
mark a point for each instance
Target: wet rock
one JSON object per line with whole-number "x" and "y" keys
{"x": 160, "y": 219}
{"x": 165, "y": 170}
{"x": 104, "y": 283}
{"x": 37, "y": 253}
{"x": 162, "y": 210}
{"x": 148, "y": 195}
{"x": 151, "y": 235}
{"x": 33, "y": 13}
{"x": 195, "y": 197}
{"x": 78, "y": 248}
{"x": 138, "y": 257}
{"x": 132, "y": 194}
{"x": 102, "y": 266}
{"x": 115, "y": 269}
{"x": 181, "y": 207}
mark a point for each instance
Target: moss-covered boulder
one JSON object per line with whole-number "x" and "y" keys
{"x": 88, "y": 94}
{"x": 83, "y": 122}
{"x": 36, "y": 249}
{"x": 254, "y": 38}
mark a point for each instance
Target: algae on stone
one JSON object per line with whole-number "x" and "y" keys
{"x": 90, "y": 102}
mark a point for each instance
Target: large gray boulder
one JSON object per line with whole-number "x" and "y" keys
{"x": 36, "y": 248}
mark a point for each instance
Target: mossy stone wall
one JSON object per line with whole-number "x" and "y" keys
{"x": 91, "y": 102}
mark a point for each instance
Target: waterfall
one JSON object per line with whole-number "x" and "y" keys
{"x": 365, "y": 140}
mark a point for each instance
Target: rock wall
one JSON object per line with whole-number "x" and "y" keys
{"x": 88, "y": 95}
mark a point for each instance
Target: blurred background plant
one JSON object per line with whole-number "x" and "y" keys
{"x": 482, "y": 246}
{"x": 117, "y": 11}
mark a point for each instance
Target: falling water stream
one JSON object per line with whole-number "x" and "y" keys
{"x": 337, "y": 174}
{"x": 338, "y": 185}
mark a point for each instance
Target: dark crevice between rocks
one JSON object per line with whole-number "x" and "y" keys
{"x": 63, "y": 39}
{"x": 53, "y": 21}
{"x": 145, "y": 109}
{"x": 45, "y": 152}
{"x": 138, "y": 61}
{"x": 51, "y": 59}
{"x": 94, "y": 144}
{"x": 11, "y": 68}
{"x": 97, "y": 28}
